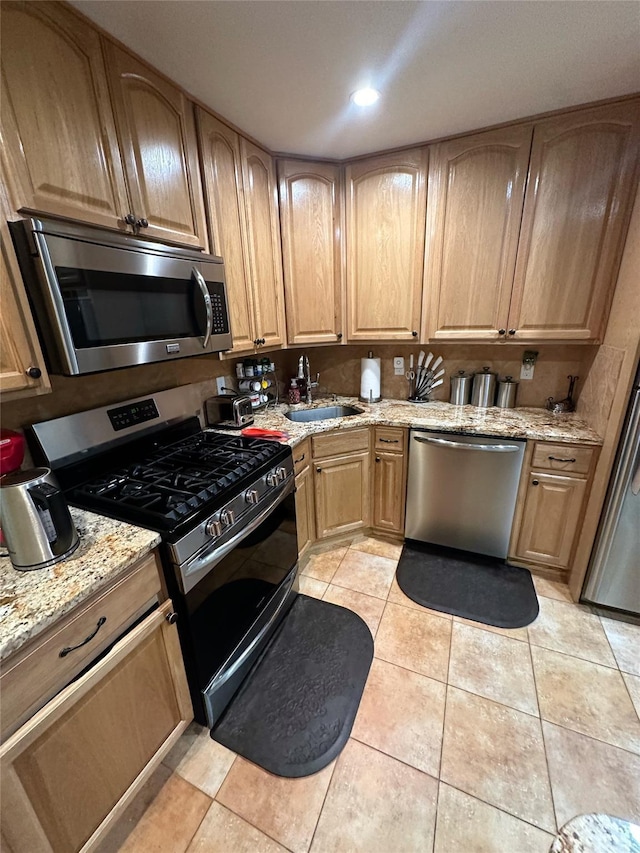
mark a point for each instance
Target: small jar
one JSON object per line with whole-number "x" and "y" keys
{"x": 240, "y": 370}
{"x": 294, "y": 392}
{"x": 249, "y": 371}
{"x": 249, "y": 386}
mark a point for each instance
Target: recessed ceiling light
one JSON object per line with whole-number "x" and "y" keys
{"x": 365, "y": 97}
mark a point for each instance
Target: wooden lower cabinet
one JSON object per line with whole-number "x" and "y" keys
{"x": 305, "y": 514}
{"x": 389, "y": 487}
{"x": 68, "y": 773}
{"x": 341, "y": 493}
{"x": 548, "y": 527}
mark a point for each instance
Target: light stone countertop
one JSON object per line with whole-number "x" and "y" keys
{"x": 597, "y": 833}
{"x": 523, "y": 422}
{"x": 32, "y": 601}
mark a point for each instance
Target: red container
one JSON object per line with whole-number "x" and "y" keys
{"x": 11, "y": 450}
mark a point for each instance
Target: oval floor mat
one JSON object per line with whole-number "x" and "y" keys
{"x": 485, "y": 589}
{"x": 295, "y": 710}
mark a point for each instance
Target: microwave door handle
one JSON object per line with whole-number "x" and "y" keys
{"x": 204, "y": 290}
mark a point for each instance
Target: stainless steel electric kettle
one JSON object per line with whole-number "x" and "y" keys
{"x": 35, "y": 519}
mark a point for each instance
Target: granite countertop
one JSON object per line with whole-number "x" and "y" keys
{"x": 444, "y": 417}
{"x": 597, "y": 833}
{"x": 32, "y": 601}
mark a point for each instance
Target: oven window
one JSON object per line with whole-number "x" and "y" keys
{"x": 105, "y": 308}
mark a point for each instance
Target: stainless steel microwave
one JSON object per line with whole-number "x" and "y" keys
{"x": 103, "y": 301}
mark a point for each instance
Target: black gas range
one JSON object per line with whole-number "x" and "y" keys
{"x": 223, "y": 505}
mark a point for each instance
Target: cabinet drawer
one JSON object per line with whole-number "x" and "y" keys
{"x": 40, "y": 673}
{"x": 338, "y": 443}
{"x": 301, "y": 456}
{"x": 562, "y": 457}
{"x": 390, "y": 439}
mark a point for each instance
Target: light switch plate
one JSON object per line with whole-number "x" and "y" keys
{"x": 398, "y": 365}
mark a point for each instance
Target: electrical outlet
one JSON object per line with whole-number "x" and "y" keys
{"x": 224, "y": 384}
{"x": 398, "y": 365}
{"x": 526, "y": 371}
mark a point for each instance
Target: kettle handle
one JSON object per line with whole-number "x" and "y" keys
{"x": 50, "y": 498}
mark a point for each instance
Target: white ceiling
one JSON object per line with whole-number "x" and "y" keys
{"x": 282, "y": 70}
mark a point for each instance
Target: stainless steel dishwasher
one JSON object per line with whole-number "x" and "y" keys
{"x": 462, "y": 490}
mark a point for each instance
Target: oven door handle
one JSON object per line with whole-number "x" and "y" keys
{"x": 215, "y": 554}
{"x": 206, "y": 297}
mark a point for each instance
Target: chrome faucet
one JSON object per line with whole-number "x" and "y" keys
{"x": 304, "y": 372}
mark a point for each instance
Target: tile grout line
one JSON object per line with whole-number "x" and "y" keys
{"x": 326, "y": 794}
{"x": 613, "y": 651}
{"x": 544, "y": 742}
{"x": 444, "y": 721}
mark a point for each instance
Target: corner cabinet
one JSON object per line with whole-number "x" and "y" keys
{"x": 59, "y": 142}
{"x": 341, "y": 480}
{"x": 389, "y": 479}
{"x": 156, "y": 127}
{"x": 310, "y": 220}
{"x": 385, "y": 216}
{"x": 474, "y": 209}
{"x": 578, "y": 202}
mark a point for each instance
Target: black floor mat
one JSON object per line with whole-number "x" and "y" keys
{"x": 294, "y": 713}
{"x": 485, "y": 589}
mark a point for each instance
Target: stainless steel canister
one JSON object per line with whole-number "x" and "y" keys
{"x": 484, "y": 388}
{"x": 460, "y": 388}
{"x": 507, "y": 389}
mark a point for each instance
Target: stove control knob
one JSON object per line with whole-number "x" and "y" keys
{"x": 214, "y": 528}
{"x": 282, "y": 473}
{"x": 227, "y": 516}
{"x": 251, "y": 496}
{"x": 272, "y": 478}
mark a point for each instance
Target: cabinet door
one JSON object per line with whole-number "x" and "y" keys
{"x": 95, "y": 743}
{"x": 59, "y": 140}
{"x": 576, "y": 209}
{"x": 389, "y": 488}
{"x": 476, "y": 193}
{"x": 549, "y": 520}
{"x": 341, "y": 494}
{"x": 263, "y": 240}
{"x": 310, "y": 221}
{"x": 222, "y": 173}
{"x": 19, "y": 350}
{"x": 305, "y": 515}
{"x": 156, "y": 127}
{"x": 386, "y": 208}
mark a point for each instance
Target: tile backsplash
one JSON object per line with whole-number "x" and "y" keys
{"x": 339, "y": 368}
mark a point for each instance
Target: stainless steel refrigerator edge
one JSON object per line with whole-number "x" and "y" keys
{"x": 614, "y": 570}
{"x": 462, "y": 490}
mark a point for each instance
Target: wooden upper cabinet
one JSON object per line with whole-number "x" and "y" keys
{"x": 58, "y": 134}
{"x": 310, "y": 202}
{"x": 474, "y": 209}
{"x": 578, "y": 200}
{"x": 385, "y": 214}
{"x": 263, "y": 243}
{"x": 156, "y": 127}
{"x": 222, "y": 175}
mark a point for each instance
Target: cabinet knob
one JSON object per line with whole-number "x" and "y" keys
{"x": 502, "y": 331}
{"x": 414, "y": 334}
{"x": 377, "y": 458}
{"x": 339, "y": 336}
{"x": 319, "y": 470}
{"x": 535, "y": 482}
{"x": 130, "y": 219}
{"x": 512, "y": 331}
{"x": 142, "y": 223}
{"x": 34, "y": 372}
{"x": 172, "y": 618}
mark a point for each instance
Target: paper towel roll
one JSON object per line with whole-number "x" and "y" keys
{"x": 370, "y": 379}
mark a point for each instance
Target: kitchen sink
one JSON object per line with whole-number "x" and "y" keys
{"x": 322, "y": 413}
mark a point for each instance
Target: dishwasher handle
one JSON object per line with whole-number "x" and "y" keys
{"x": 460, "y": 445}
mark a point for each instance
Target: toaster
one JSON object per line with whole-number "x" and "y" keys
{"x": 233, "y": 411}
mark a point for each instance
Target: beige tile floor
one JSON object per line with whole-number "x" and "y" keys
{"x": 468, "y": 739}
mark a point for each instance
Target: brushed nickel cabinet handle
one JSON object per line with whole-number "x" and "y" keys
{"x": 390, "y": 440}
